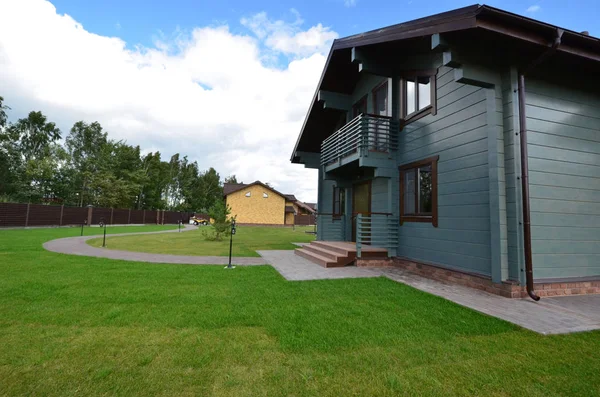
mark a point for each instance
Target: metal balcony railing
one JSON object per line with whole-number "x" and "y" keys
{"x": 377, "y": 230}
{"x": 363, "y": 134}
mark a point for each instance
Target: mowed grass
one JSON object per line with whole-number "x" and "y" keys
{"x": 246, "y": 241}
{"x": 72, "y": 325}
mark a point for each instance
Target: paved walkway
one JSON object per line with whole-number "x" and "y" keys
{"x": 557, "y": 315}
{"x": 79, "y": 246}
{"x": 548, "y": 316}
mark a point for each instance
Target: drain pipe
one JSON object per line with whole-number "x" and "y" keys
{"x": 525, "y": 165}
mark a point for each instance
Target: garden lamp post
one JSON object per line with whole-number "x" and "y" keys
{"x": 231, "y": 244}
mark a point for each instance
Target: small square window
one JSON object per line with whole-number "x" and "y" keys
{"x": 418, "y": 95}
{"x": 265, "y": 195}
{"x": 248, "y": 194}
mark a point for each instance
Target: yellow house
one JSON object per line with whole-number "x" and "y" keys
{"x": 258, "y": 203}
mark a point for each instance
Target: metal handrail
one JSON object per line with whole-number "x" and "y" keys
{"x": 360, "y": 135}
{"x": 377, "y": 229}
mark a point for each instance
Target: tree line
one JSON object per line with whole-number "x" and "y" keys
{"x": 88, "y": 168}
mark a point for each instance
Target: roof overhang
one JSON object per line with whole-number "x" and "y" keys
{"x": 340, "y": 74}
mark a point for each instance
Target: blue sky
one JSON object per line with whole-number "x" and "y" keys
{"x": 227, "y": 83}
{"x": 138, "y": 21}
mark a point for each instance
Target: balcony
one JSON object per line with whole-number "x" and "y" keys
{"x": 369, "y": 139}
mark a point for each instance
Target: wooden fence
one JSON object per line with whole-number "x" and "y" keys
{"x": 305, "y": 220}
{"x": 24, "y": 215}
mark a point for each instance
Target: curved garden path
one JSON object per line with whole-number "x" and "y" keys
{"x": 79, "y": 246}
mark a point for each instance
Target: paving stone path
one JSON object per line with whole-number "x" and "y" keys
{"x": 79, "y": 246}
{"x": 548, "y": 316}
{"x": 558, "y": 315}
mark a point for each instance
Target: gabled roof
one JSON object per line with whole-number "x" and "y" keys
{"x": 338, "y": 75}
{"x": 305, "y": 206}
{"x": 290, "y": 197}
{"x": 229, "y": 188}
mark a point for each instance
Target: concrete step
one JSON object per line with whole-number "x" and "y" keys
{"x": 316, "y": 258}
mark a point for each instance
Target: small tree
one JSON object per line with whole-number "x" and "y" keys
{"x": 219, "y": 212}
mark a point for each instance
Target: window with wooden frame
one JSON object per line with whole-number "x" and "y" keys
{"x": 339, "y": 201}
{"x": 418, "y": 191}
{"x": 418, "y": 95}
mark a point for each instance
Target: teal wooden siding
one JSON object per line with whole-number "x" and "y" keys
{"x": 564, "y": 163}
{"x": 459, "y": 135}
{"x": 512, "y": 170}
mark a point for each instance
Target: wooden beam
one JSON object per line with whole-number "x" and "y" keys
{"x": 334, "y": 100}
{"x": 310, "y": 160}
{"x": 450, "y": 59}
{"x": 438, "y": 42}
{"x": 477, "y": 76}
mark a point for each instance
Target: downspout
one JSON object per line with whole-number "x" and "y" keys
{"x": 525, "y": 165}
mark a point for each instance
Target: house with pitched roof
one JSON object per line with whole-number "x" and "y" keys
{"x": 465, "y": 146}
{"x": 260, "y": 204}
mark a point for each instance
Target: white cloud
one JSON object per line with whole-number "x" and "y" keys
{"x": 206, "y": 94}
{"x": 289, "y": 38}
{"x": 350, "y": 3}
{"x": 534, "y": 8}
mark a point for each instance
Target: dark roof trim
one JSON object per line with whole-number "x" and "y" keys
{"x": 475, "y": 16}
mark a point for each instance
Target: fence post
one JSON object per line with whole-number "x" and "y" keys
{"x": 163, "y": 218}
{"x": 27, "y": 215}
{"x": 89, "y": 219}
{"x": 158, "y": 217}
{"x": 143, "y": 217}
{"x": 112, "y": 211}
{"x": 129, "y": 217}
{"x": 62, "y": 210}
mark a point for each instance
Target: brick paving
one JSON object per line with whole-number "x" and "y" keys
{"x": 557, "y": 315}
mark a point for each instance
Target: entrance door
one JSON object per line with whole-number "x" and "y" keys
{"x": 361, "y": 203}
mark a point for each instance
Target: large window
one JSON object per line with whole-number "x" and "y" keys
{"x": 418, "y": 191}
{"x": 339, "y": 201}
{"x": 418, "y": 95}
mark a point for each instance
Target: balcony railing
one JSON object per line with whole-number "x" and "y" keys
{"x": 363, "y": 134}
{"x": 377, "y": 230}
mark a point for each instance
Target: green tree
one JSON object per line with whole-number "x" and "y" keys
{"x": 232, "y": 179}
{"x": 30, "y": 146}
{"x": 220, "y": 212}
{"x": 86, "y": 146}
{"x": 3, "y": 116}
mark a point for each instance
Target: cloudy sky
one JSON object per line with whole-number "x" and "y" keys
{"x": 226, "y": 83}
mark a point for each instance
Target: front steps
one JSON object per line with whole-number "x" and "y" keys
{"x": 337, "y": 253}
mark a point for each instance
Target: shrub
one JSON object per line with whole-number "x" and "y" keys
{"x": 219, "y": 212}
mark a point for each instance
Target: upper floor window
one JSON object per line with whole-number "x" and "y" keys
{"x": 418, "y": 191}
{"x": 265, "y": 195}
{"x": 248, "y": 194}
{"x": 418, "y": 93}
{"x": 380, "y": 99}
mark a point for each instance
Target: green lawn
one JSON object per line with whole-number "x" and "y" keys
{"x": 246, "y": 241}
{"x": 72, "y": 325}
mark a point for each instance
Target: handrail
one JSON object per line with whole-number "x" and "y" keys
{"x": 361, "y": 133}
{"x": 377, "y": 231}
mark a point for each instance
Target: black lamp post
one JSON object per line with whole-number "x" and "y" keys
{"x": 231, "y": 244}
